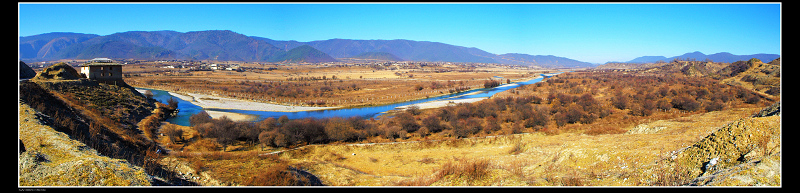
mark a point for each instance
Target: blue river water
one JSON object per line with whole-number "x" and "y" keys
{"x": 187, "y": 109}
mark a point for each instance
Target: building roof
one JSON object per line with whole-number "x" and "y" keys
{"x": 101, "y": 62}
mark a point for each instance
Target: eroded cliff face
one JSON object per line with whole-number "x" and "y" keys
{"x": 746, "y": 152}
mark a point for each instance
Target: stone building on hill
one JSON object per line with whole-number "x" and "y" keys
{"x": 103, "y": 70}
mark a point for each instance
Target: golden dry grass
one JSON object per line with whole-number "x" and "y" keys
{"x": 532, "y": 159}
{"x": 597, "y": 154}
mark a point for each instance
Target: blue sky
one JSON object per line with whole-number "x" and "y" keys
{"x": 595, "y": 33}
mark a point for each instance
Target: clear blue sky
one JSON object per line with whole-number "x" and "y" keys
{"x": 587, "y": 32}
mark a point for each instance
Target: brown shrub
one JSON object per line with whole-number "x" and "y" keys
{"x": 752, "y": 99}
{"x": 406, "y": 121}
{"x": 172, "y": 132}
{"x": 640, "y": 110}
{"x": 432, "y": 123}
{"x": 492, "y": 125}
{"x": 266, "y": 138}
{"x": 338, "y": 129}
{"x": 715, "y": 105}
{"x": 685, "y": 103}
{"x": 620, "y": 100}
{"x": 470, "y": 170}
{"x": 199, "y": 118}
{"x": 663, "y": 104}
{"x": 467, "y": 127}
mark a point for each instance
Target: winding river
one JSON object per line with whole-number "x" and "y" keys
{"x": 187, "y": 109}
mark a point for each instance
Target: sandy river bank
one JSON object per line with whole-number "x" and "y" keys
{"x": 210, "y": 102}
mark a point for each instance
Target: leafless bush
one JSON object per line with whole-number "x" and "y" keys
{"x": 173, "y": 133}
{"x": 470, "y": 170}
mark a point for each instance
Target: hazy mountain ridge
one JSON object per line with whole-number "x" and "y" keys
{"x": 305, "y": 54}
{"x": 699, "y": 56}
{"x": 213, "y": 44}
{"x": 229, "y": 45}
{"x": 44, "y": 45}
{"x": 378, "y": 56}
{"x": 425, "y": 51}
{"x": 548, "y": 61}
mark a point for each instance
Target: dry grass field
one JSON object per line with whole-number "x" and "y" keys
{"x": 528, "y": 159}
{"x": 321, "y": 85}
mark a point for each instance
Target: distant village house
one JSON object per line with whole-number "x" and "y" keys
{"x": 103, "y": 70}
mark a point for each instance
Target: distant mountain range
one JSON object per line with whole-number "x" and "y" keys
{"x": 378, "y": 56}
{"x": 232, "y": 46}
{"x": 228, "y": 45}
{"x": 216, "y": 45}
{"x": 698, "y": 56}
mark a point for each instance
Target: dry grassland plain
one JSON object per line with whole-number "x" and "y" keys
{"x": 324, "y": 86}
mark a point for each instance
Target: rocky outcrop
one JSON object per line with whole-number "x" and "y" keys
{"x": 774, "y": 109}
{"x": 748, "y": 144}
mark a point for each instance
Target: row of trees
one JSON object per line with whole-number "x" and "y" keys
{"x": 491, "y": 84}
{"x": 283, "y": 132}
{"x": 311, "y": 78}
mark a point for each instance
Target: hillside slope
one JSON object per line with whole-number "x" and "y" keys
{"x": 378, "y": 56}
{"x": 755, "y": 75}
{"x": 109, "y": 120}
{"x": 25, "y": 71}
{"x": 52, "y": 158}
{"x": 303, "y": 54}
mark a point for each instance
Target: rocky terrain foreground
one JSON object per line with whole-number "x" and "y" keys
{"x": 746, "y": 152}
{"x": 52, "y": 158}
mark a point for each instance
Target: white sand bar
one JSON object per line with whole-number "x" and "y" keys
{"x": 232, "y": 116}
{"x": 442, "y": 103}
{"x": 215, "y": 102}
